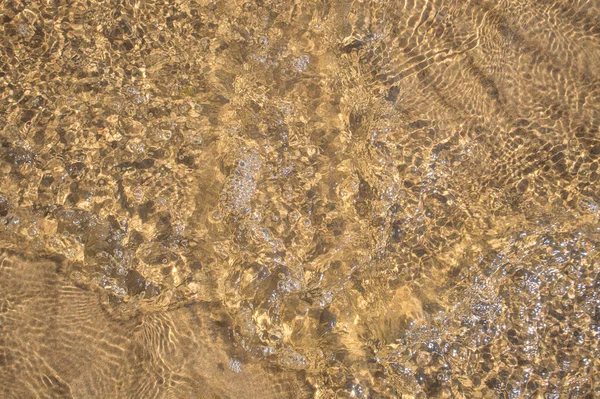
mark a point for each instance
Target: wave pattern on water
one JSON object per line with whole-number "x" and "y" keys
{"x": 329, "y": 199}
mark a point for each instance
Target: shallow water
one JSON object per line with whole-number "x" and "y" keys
{"x": 271, "y": 199}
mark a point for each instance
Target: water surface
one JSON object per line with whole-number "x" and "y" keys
{"x": 311, "y": 199}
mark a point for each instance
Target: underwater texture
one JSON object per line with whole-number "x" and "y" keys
{"x": 299, "y": 199}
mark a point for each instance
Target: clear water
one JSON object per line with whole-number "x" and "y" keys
{"x": 271, "y": 199}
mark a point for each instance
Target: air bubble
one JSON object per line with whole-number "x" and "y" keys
{"x": 301, "y": 63}
{"x": 235, "y": 365}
